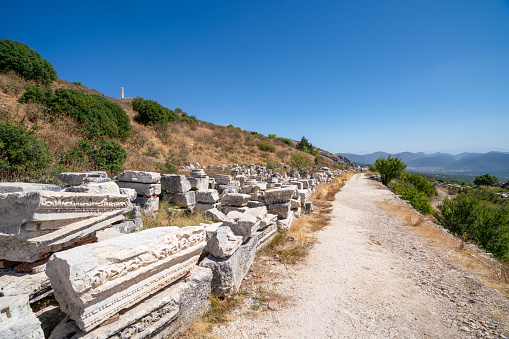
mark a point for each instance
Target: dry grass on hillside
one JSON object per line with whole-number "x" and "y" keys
{"x": 149, "y": 147}
{"x": 490, "y": 271}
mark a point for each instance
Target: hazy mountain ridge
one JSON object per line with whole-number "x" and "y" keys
{"x": 496, "y": 163}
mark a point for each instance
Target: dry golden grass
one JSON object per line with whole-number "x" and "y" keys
{"x": 169, "y": 215}
{"x": 493, "y": 273}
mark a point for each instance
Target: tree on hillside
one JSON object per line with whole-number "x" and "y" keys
{"x": 486, "y": 180}
{"x": 390, "y": 168}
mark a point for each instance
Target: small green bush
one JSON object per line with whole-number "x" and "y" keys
{"x": 270, "y": 165}
{"x": 482, "y": 221}
{"x": 417, "y": 199}
{"x": 108, "y": 155}
{"x": 18, "y": 57}
{"x": 272, "y": 136}
{"x": 286, "y": 141}
{"x": 20, "y": 149}
{"x": 100, "y": 117}
{"x": 421, "y": 184}
{"x": 150, "y": 112}
{"x": 266, "y": 146}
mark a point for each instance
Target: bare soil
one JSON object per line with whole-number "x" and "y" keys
{"x": 370, "y": 275}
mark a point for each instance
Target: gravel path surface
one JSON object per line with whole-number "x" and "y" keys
{"x": 369, "y": 276}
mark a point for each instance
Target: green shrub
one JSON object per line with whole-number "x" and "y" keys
{"x": 21, "y": 149}
{"x": 18, "y": 57}
{"x": 167, "y": 167}
{"x": 266, "y": 146}
{"x": 417, "y": 199}
{"x": 272, "y": 136}
{"x": 482, "y": 221}
{"x": 150, "y": 112}
{"x": 486, "y": 180}
{"x": 270, "y": 165}
{"x": 106, "y": 155}
{"x": 286, "y": 141}
{"x": 421, "y": 184}
{"x": 306, "y": 146}
{"x": 100, "y": 117}
{"x": 232, "y": 127}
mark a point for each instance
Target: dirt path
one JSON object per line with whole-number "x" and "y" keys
{"x": 369, "y": 276}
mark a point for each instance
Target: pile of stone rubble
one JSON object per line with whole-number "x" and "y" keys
{"x": 83, "y": 243}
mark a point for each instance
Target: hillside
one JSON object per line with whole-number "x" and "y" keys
{"x": 149, "y": 148}
{"x": 464, "y": 164}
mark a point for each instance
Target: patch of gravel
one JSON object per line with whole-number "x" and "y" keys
{"x": 369, "y": 276}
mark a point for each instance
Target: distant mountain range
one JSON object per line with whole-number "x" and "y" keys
{"x": 472, "y": 164}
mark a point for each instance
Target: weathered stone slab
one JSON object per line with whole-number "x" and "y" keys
{"x": 285, "y": 224}
{"x": 308, "y": 207}
{"x": 281, "y": 209}
{"x": 229, "y": 272}
{"x": 263, "y": 237}
{"x": 235, "y": 199}
{"x": 184, "y": 200}
{"x": 207, "y": 196}
{"x": 198, "y": 173}
{"x": 202, "y": 208}
{"x": 223, "y": 242}
{"x": 215, "y": 215}
{"x": 223, "y": 179}
{"x": 34, "y": 224}
{"x": 297, "y": 183}
{"x": 94, "y": 282}
{"x": 227, "y": 209}
{"x": 173, "y": 183}
{"x": 143, "y": 189}
{"x": 162, "y": 315}
{"x": 279, "y": 195}
{"x": 242, "y": 224}
{"x": 257, "y": 212}
{"x": 76, "y": 179}
{"x": 107, "y": 187}
{"x": 17, "y": 319}
{"x": 254, "y": 204}
{"x": 147, "y": 205}
{"x": 270, "y": 219}
{"x": 304, "y": 195}
{"x": 199, "y": 183}
{"x": 294, "y": 204}
{"x": 129, "y": 192}
{"x": 12, "y": 187}
{"x": 139, "y": 176}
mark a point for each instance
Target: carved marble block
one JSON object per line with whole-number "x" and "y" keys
{"x": 33, "y": 224}
{"x": 279, "y": 195}
{"x": 96, "y": 281}
{"x": 17, "y": 319}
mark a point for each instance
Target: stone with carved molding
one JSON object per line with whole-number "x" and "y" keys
{"x": 96, "y": 281}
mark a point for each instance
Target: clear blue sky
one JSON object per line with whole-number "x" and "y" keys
{"x": 351, "y": 76}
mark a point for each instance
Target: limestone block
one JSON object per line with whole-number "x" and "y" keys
{"x": 285, "y": 224}
{"x": 17, "y": 319}
{"x": 229, "y": 272}
{"x": 173, "y": 183}
{"x": 294, "y": 204}
{"x": 211, "y": 229}
{"x": 34, "y": 224}
{"x": 227, "y": 209}
{"x": 107, "y": 187}
{"x": 297, "y": 183}
{"x": 76, "y": 179}
{"x": 96, "y": 281}
{"x": 139, "y": 176}
{"x": 304, "y": 195}
{"x": 254, "y": 204}
{"x": 199, "y": 183}
{"x": 242, "y": 224}
{"x": 12, "y": 187}
{"x": 235, "y": 199}
{"x": 162, "y": 315}
{"x": 281, "y": 209}
{"x": 198, "y": 173}
{"x": 207, "y": 196}
{"x": 215, "y": 214}
{"x": 143, "y": 189}
{"x": 184, "y": 200}
{"x": 257, "y": 212}
{"x": 129, "y": 192}
{"x": 202, "y": 208}
{"x": 270, "y": 219}
{"x": 148, "y": 205}
{"x": 223, "y": 242}
{"x": 223, "y": 179}
{"x": 308, "y": 207}
{"x": 263, "y": 237}
{"x": 279, "y": 195}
